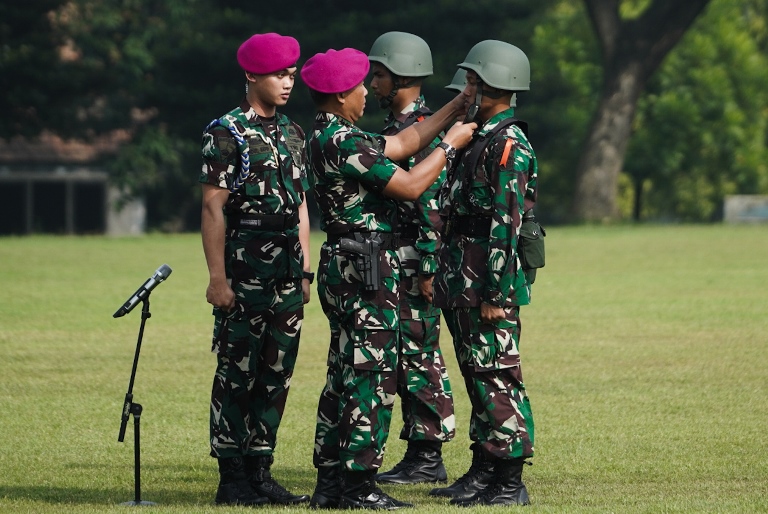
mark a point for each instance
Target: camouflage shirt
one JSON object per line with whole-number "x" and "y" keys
{"x": 277, "y": 162}
{"x": 349, "y": 173}
{"x": 487, "y": 269}
{"x": 421, "y": 215}
{"x": 275, "y": 184}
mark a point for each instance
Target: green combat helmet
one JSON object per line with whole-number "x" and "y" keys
{"x": 499, "y": 65}
{"x": 459, "y": 82}
{"x": 404, "y": 55}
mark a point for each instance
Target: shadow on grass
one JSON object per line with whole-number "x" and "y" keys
{"x": 170, "y": 485}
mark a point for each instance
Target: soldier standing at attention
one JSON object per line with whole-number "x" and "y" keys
{"x": 399, "y": 63}
{"x": 357, "y": 185}
{"x": 486, "y": 196}
{"x": 255, "y": 232}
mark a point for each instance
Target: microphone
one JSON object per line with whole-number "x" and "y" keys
{"x": 143, "y": 292}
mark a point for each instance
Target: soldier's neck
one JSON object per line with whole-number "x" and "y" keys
{"x": 404, "y": 98}
{"x": 262, "y": 109}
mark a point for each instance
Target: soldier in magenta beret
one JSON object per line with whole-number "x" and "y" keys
{"x": 357, "y": 185}
{"x": 254, "y": 184}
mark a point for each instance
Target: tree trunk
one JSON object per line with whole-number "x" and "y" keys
{"x": 632, "y": 51}
{"x": 603, "y": 155}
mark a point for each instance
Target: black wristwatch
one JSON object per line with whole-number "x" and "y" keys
{"x": 309, "y": 276}
{"x": 450, "y": 153}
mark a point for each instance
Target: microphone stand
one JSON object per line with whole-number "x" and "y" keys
{"x": 132, "y": 408}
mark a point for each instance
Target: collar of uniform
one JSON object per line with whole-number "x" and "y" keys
{"x": 409, "y": 109}
{"x": 414, "y": 106}
{"x": 255, "y": 119}
{"x": 490, "y": 124}
{"x": 327, "y": 117}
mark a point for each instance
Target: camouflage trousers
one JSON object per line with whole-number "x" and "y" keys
{"x": 355, "y": 406}
{"x": 422, "y": 379}
{"x": 422, "y": 383}
{"x": 256, "y": 346}
{"x": 489, "y": 358}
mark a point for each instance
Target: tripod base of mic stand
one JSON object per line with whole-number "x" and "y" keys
{"x": 142, "y": 503}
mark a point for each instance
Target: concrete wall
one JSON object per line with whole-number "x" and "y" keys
{"x": 746, "y": 209}
{"x": 124, "y": 218}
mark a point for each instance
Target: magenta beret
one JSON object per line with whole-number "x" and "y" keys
{"x": 335, "y": 71}
{"x": 267, "y": 53}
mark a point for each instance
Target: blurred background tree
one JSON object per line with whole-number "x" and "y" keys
{"x": 162, "y": 70}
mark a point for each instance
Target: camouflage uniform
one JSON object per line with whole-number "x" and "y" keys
{"x": 349, "y": 173}
{"x": 423, "y": 385}
{"x": 477, "y": 268}
{"x": 257, "y": 342}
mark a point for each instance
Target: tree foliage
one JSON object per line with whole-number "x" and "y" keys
{"x": 703, "y": 119}
{"x": 163, "y": 69}
{"x": 700, "y": 129}
{"x": 632, "y": 46}
{"x": 29, "y": 67}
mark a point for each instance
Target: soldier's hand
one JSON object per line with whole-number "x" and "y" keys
{"x": 460, "y": 104}
{"x": 220, "y": 295}
{"x": 490, "y": 313}
{"x": 306, "y": 289}
{"x": 460, "y": 134}
{"x": 425, "y": 286}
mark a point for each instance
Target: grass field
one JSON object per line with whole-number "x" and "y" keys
{"x": 644, "y": 354}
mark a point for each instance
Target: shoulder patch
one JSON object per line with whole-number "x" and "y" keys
{"x": 226, "y": 146}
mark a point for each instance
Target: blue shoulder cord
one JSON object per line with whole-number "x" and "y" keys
{"x": 242, "y": 144}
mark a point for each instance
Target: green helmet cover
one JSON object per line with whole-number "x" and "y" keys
{"x": 459, "y": 81}
{"x": 404, "y": 54}
{"x": 500, "y": 65}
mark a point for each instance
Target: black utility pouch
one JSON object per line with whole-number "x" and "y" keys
{"x": 530, "y": 247}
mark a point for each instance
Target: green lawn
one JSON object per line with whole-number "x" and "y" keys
{"x": 644, "y": 354}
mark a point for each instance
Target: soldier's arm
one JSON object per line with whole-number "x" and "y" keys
{"x": 505, "y": 223}
{"x": 304, "y": 242}
{"x": 430, "y": 225}
{"x": 213, "y": 231}
{"x": 409, "y": 185}
{"x": 416, "y": 137}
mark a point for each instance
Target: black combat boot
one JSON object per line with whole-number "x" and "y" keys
{"x": 234, "y": 488}
{"x": 260, "y": 478}
{"x": 478, "y": 477}
{"x": 507, "y": 487}
{"x": 359, "y": 491}
{"x": 422, "y": 463}
{"x": 328, "y": 489}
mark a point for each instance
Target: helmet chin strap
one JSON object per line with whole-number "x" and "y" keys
{"x": 480, "y": 91}
{"x": 495, "y": 93}
{"x": 479, "y": 94}
{"x": 475, "y": 107}
{"x": 386, "y": 102}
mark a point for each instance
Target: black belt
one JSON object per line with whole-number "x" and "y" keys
{"x": 474, "y": 226}
{"x": 386, "y": 240}
{"x": 269, "y": 222}
{"x": 409, "y": 231}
